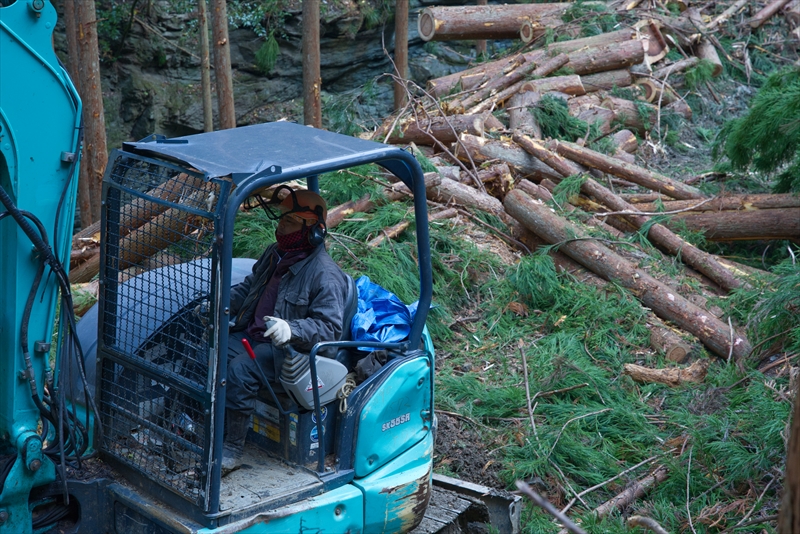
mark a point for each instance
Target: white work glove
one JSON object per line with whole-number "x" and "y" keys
{"x": 279, "y": 331}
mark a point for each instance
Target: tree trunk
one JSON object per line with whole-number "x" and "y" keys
{"x": 533, "y": 30}
{"x": 95, "y": 152}
{"x": 444, "y": 129}
{"x": 570, "y": 85}
{"x": 222, "y": 65}
{"x": 663, "y": 300}
{"x": 706, "y": 50}
{"x": 595, "y": 41}
{"x": 447, "y": 23}
{"x": 789, "y": 518}
{"x": 675, "y": 67}
{"x": 783, "y": 223}
{"x": 450, "y": 191}
{"x": 480, "y": 44}
{"x": 73, "y": 49}
{"x": 312, "y": 80}
{"x": 631, "y": 112}
{"x": 400, "y": 52}
{"x": 205, "y": 66}
{"x": 659, "y": 234}
{"x": 564, "y": 84}
{"x": 656, "y": 92}
{"x": 520, "y": 116}
{"x": 482, "y": 150}
{"x": 671, "y": 376}
{"x": 625, "y": 140}
{"x": 665, "y": 340}
{"x": 605, "y": 81}
{"x": 724, "y": 203}
{"x": 633, "y": 173}
{"x": 766, "y": 12}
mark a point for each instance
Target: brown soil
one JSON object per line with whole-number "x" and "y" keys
{"x": 461, "y": 452}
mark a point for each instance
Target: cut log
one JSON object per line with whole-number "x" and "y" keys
{"x": 555, "y": 83}
{"x": 497, "y": 179}
{"x": 671, "y": 376}
{"x": 723, "y": 203}
{"x": 580, "y": 52}
{"x": 339, "y": 213}
{"x": 605, "y": 81}
{"x": 570, "y": 85}
{"x": 640, "y": 116}
{"x": 500, "y": 82}
{"x": 449, "y": 191}
{"x": 675, "y": 67}
{"x": 651, "y": 180}
{"x": 783, "y": 223}
{"x": 664, "y": 301}
{"x": 659, "y": 234}
{"x": 602, "y": 117}
{"x": 394, "y": 231}
{"x": 483, "y": 150}
{"x": 607, "y": 57}
{"x": 767, "y": 12}
{"x": 656, "y": 92}
{"x": 445, "y": 130}
{"x": 792, "y": 14}
{"x": 448, "y": 23}
{"x": 667, "y": 341}
{"x": 520, "y": 116}
{"x": 533, "y": 30}
{"x": 625, "y": 140}
{"x": 707, "y": 51}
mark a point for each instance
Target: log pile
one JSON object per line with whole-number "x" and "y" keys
{"x": 494, "y": 108}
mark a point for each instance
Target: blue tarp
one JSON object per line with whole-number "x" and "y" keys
{"x": 381, "y": 315}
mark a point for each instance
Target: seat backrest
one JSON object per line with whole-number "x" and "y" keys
{"x": 343, "y": 355}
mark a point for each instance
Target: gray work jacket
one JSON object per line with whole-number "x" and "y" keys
{"x": 311, "y": 298}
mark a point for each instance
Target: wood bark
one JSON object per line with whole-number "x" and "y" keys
{"x": 533, "y": 30}
{"x": 205, "y": 67}
{"x": 446, "y": 23}
{"x": 480, "y": 44}
{"x": 222, "y": 64}
{"x": 73, "y": 50}
{"x": 632, "y": 492}
{"x": 651, "y": 180}
{"x": 783, "y": 223}
{"x": 570, "y": 85}
{"x": 663, "y": 300}
{"x": 95, "y": 151}
{"x": 394, "y": 231}
{"x": 671, "y": 376}
{"x": 659, "y": 234}
{"x": 630, "y": 112}
{"x": 789, "y": 517}
{"x": 400, "y": 52}
{"x": 312, "y": 79}
{"x": 511, "y": 74}
{"x": 606, "y": 57}
{"x": 722, "y": 203}
{"x": 497, "y": 179}
{"x": 520, "y": 116}
{"x": 605, "y": 81}
{"x": 444, "y": 129}
{"x": 595, "y": 41}
{"x": 767, "y": 12}
{"x": 482, "y": 150}
{"x": 449, "y": 191}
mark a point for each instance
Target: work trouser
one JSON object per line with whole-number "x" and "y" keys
{"x": 244, "y": 377}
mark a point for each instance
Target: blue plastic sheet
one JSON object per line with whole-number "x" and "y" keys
{"x": 381, "y": 315}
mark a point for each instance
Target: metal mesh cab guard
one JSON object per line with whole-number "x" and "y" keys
{"x": 155, "y": 342}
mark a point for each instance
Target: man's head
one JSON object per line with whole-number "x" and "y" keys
{"x": 301, "y": 218}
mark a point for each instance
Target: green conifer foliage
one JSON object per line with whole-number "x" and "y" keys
{"x": 767, "y": 139}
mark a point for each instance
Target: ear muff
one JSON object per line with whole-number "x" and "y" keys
{"x": 317, "y": 233}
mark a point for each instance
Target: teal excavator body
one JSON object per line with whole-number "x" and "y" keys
{"x": 39, "y": 138}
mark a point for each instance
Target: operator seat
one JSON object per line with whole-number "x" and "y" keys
{"x": 344, "y": 355}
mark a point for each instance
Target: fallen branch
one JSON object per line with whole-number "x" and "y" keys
{"x": 399, "y": 228}
{"x": 545, "y": 505}
{"x": 671, "y": 376}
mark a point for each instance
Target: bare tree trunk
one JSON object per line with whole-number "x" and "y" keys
{"x": 312, "y": 80}
{"x": 789, "y": 519}
{"x": 222, "y": 65}
{"x": 445, "y": 23}
{"x": 95, "y": 152}
{"x": 205, "y": 67}
{"x": 400, "y": 52}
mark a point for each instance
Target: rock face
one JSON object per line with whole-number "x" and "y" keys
{"x": 152, "y": 85}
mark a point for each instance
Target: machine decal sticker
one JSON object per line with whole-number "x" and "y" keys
{"x": 397, "y": 421}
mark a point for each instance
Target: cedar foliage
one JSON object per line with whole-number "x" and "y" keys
{"x": 767, "y": 139}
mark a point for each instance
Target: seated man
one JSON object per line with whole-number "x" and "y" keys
{"x": 297, "y": 285}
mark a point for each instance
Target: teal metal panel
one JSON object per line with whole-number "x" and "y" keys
{"x": 337, "y": 511}
{"x": 397, "y": 494}
{"x": 397, "y": 416}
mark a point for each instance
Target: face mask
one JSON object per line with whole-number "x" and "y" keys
{"x": 295, "y": 241}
